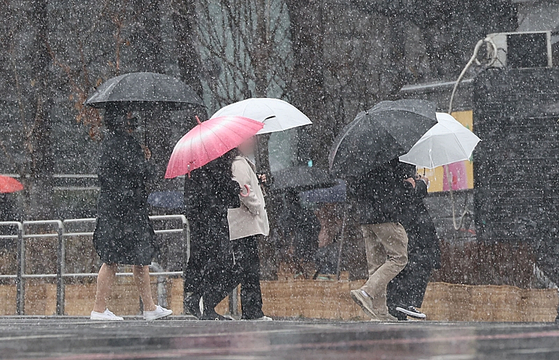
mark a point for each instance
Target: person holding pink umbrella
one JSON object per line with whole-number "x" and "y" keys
{"x": 205, "y": 155}
{"x": 209, "y": 192}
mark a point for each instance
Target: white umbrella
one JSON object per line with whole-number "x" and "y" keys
{"x": 445, "y": 143}
{"x": 277, "y": 115}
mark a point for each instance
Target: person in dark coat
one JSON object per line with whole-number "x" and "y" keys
{"x": 8, "y": 212}
{"x": 300, "y": 228}
{"x": 8, "y": 208}
{"x": 406, "y": 291}
{"x": 124, "y": 234}
{"x": 209, "y": 192}
{"x": 379, "y": 199}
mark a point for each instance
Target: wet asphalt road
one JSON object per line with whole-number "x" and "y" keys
{"x": 182, "y": 338}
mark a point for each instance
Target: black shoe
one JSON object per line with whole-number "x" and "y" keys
{"x": 212, "y": 315}
{"x": 193, "y": 306}
{"x": 398, "y": 315}
{"x": 412, "y": 312}
{"x": 261, "y": 317}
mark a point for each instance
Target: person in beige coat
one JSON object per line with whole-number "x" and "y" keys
{"x": 251, "y": 218}
{"x": 247, "y": 224}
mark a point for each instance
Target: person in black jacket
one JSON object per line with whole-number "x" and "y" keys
{"x": 124, "y": 234}
{"x": 209, "y": 192}
{"x": 406, "y": 291}
{"x": 301, "y": 228}
{"x": 8, "y": 212}
{"x": 379, "y": 199}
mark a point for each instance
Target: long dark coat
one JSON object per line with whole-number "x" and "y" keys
{"x": 124, "y": 234}
{"x": 301, "y": 227}
{"x": 209, "y": 193}
{"x": 423, "y": 242}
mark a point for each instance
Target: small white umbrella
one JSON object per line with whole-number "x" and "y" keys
{"x": 277, "y": 115}
{"x": 445, "y": 143}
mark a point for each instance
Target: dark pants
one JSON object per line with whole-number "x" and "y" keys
{"x": 197, "y": 260}
{"x": 246, "y": 272}
{"x": 211, "y": 262}
{"x": 246, "y": 255}
{"x": 408, "y": 287}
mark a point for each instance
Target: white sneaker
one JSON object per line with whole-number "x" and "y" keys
{"x": 412, "y": 311}
{"x": 107, "y": 315}
{"x": 158, "y": 313}
{"x": 263, "y": 318}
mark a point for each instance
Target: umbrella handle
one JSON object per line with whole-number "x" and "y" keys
{"x": 248, "y": 191}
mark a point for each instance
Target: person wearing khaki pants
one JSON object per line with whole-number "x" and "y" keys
{"x": 379, "y": 200}
{"x": 386, "y": 246}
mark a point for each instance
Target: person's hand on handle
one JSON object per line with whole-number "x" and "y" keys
{"x": 411, "y": 181}
{"x": 422, "y": 178}
{"x": 265, "y": 179}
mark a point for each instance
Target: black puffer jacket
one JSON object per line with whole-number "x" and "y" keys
{"x": 382, "y": 195}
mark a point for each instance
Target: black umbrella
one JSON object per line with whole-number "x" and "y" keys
{"x": 301, "y": 178}
{"x": 379, "y": 135}
{"x": 143, "y": 90}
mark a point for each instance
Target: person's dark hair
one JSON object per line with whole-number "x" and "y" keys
{"x": 233, "y": 154}
{"x": 114, "y": 117}
{"x": 223, "y": 164}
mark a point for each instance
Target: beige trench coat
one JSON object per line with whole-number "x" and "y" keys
{"x": 251, "y": 218}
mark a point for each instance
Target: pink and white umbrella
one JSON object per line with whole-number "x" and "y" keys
{"x": 208, "y": 141}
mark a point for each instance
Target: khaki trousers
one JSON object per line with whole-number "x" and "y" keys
{"x": 387, "y": 254}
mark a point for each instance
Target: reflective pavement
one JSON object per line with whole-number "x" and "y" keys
{"x": 179, "y": 337}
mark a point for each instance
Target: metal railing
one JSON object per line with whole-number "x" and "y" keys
{"x": 58, "y": 229}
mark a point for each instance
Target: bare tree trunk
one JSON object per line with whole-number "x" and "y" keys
{"x": 260, "y": 58}
{"x": 396, "y": 61}
{"x": 260, "y": 62}
{"x": 146, "y": 43}
{"x": 146, "y": 38}
{"x": 307, "y": 88}
{"x": 39, "y": 187}
{"x": 261, "y": 48}
{"x": 184, "y": 20}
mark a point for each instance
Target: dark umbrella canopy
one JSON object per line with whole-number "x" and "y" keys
{"x": 141, "y": 90}
{"x": 380, "y": 134}
{"x": 301, "y": 178}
